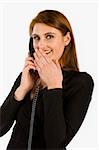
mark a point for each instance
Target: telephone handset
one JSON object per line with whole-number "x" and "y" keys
{"x": 31, "y": 51}
{"x": 34, "y": 100}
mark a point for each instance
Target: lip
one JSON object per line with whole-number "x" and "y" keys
{"x": 49, "y": 52}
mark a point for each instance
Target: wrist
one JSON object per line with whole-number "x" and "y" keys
{"x": 54, "y": 86}
{"x": 19, "y": 94}
{"x": 22, "y": 89}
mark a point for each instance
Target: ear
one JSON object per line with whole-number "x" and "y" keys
{"x": 67, "y": 38}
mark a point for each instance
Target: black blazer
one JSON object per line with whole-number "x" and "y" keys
{"x": 59, "y": 113}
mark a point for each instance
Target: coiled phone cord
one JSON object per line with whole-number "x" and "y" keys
{"x": 32, "y": 115}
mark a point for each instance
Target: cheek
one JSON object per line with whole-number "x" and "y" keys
{"x": 34, "y": 45}
{"x": 58, "y": 50}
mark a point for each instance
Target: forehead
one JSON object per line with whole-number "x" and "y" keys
{"x": 41, "y": 28}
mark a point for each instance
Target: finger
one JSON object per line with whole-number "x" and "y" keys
{"x": 39, "y": 61}
{"x": 28, "y": 67}
{"x": 29, "y": 58}
{"x": 40, "y": 57}
{"x": 44, "y": 55}
{"x": 29, "y": 63}
{"x": 37, "y": 66}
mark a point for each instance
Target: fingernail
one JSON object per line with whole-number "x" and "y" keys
{"x": 40, "y": 50}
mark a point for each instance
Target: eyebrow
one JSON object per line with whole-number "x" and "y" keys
{"x": 44, "y": 33}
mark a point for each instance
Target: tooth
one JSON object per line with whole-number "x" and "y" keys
{"x": 48, "y": 52}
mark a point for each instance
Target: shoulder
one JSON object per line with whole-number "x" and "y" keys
{"x": 78, "y": 79}
{"x": 83, "y": 78}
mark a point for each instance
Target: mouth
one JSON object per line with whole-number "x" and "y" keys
{"x": 49, "y": 52}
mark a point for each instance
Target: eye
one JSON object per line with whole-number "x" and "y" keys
{"x": 49, "y": 37}
{"x": 36, "y": 38}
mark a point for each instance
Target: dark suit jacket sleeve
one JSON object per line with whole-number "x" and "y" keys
{"x": 9, "y": 109}
{"x": 63, "y": 114}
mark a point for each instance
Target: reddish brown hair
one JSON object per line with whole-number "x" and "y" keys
{"x": 57, "y": 20}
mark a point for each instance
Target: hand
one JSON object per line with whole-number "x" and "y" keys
{"x": 48, "y": 70}
{"x": 27, "y": 80}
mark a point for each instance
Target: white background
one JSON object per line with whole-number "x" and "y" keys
{"x": 14, "y": 37}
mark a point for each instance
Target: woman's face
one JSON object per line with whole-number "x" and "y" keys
{"x": 50, "y": 40}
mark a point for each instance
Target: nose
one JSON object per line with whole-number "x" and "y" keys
{"x": 41, "y": 44}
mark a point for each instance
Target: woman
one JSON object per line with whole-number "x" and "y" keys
{"x": 64, "y": 95}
